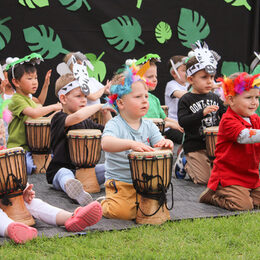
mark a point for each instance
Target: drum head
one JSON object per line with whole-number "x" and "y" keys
{"x": 158, "y": 153}
{"x": 10, "y": 151}
{"x": 212, "y": 129}
{"x": 84, "y": 132}
{"x": 40, "y": 120}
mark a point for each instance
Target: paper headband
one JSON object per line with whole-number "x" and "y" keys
{"x": 206, "y": 58}
{"x": 176, "y": 65}
{"x": 243, "y": 82}
{"x": 33, "y": 58}
{"x": 255, "y": 61}
{"x": 67, "y": 88}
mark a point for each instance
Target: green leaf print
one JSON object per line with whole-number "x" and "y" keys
{"x": 34, "y": 3}
{"x": 5, "y": 33}
{"x": 163, "y": 32}
{"x": 230, "y": 67}
{"x": 139, "y": 3}
{"x": 191, "y": 27}
{"x": 74, "y": 5}
{"x": 239, "y": 3}
{"x": 44, "y": 41}
{"x": 100, "y": 71}
{"x": 122, "y": 32}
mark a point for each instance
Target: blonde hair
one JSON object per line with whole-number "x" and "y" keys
{"x": 63, "y": 81}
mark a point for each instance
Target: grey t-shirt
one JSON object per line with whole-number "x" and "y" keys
{"x": 117, "y": 164}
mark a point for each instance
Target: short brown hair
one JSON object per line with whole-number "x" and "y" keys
{"x": 175, "y": 59}
{"x": 63, "y": 81}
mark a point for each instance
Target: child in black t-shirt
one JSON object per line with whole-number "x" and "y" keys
{"x": 198, "y": 110}
{"x": 74, "y": 115}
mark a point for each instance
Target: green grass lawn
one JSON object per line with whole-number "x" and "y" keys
{"x": 235, "y": 237}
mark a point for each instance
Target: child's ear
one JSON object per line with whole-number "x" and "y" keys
{"x": 62, "y": 99}
{"x": 120, "y": 103}
{"x": 230, "y": 100}
{"x": 190, "y": 80}
{"x": 15, "y": 82}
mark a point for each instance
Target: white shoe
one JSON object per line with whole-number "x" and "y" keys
{"x": 75, "y": 191}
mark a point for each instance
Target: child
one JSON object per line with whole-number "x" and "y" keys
{"x": 96, "y": 88}
{"x": 234, "y": 182}
{"x": 150, "y": 75}
{"x": 174, "y": 90}
{"x": 126, "y": 131}
{"x": 198, "y": 110}
{"x": 22, "y": 74}
{"x": 74, "y": 115}
{"x": 73, "y": 222}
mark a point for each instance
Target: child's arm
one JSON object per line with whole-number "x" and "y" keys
{"x": 249, "y": 136}
{"x": 169, "y": 122}
{"x": 166, "y": 143}
{"x": 81, "y": 114}
{"x": 113, "y": 145}
{"x": 178, "y": 93}
{"x": 44, "y": 91}
{"x": 41, "y": 111}
{"x": 100, "y": 92}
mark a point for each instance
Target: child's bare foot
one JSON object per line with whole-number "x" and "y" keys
{"x": 20, "y": 233}
{"x": 84, "y": 217}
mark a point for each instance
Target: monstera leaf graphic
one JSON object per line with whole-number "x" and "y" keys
{"x": 239, "y": 3}
{"x": 99, "y": 71}
{"x": 191, "y": 27}
{"x": 122, "y": 32}
{"x": 163, "y": 32}
{"x": 139, "y": 3}
{"x": 74, "y": 5}
{"x": 5, "y": 33}
{"x": 230, "y": 67}
{"x": 43, "y": 41}
{"x": 34, "y": 3}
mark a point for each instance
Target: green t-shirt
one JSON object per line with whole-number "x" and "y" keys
{"x": 257, "y": 71}
{"x": 16, "y": 128}
{"x": 155, "y": 109}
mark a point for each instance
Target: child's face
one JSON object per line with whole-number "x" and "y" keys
{"x": 27, "y": 84}
{"x": 182, "y": 72}
{"x": 246, "y": 103}
{"x": 135, "y": 104}
{"x": 151, "y": 76}
{"x": 74, "y": 100}
{"x": 202, "y": 82}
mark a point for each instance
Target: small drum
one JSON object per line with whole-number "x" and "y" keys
{"x": 165, "y": 109}
{"x": 85, "y": 152}
{"x": 38, "y": 134}
{"x": 151, "y": 174}
{"x": 159, "y": 122}
{"x": 211, "y": 140}
{"x": 98, "y": 118}
{"x": 13, "y": 180}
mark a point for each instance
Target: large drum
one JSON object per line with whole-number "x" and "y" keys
{"x": 98, "y": 118}
{"x": 38, "y": 134}
{"x": 211, "y": 140}
{"x": 85, "y": 152}
{"x": 151, "y": 174}
{"x": 159, "y": 122}
{"x": 13, "y": 180}
{"x": 165, "y": 109}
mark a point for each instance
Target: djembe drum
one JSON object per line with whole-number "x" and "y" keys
{"x": 98, "y": 118}
{"x": 165, "y": 109}
{"x": 38, "y": 134}
{"x": 85, "y": 152}
{"x": 211, "y": 140}
{"x": 151, "y": 174}
{"x": 159, "y": 122}
{"x": 13, "y": 180}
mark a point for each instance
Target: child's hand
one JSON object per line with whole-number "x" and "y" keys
{"x": 140, "y": 147}
{"x": 210, "y": 109}
{"x": 108, "y": 107}
{"x": 167, "y": 143}
{"x": 107, "y": 87}
{"x": 174, "y": 125}
{"x": 3, "y": 85}
{"x": 47, "y": 78}
{"x": 28, "y": 194}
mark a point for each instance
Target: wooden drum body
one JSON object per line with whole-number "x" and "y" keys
{"x": 151, "y": 174}
{"x": 159, "y": 122}
{"x": 165, "y": 109}
{"x": 98, "y": 118}
{"x": 211, "y": 140}
{"x": 13, "y": 180}
{"x": 38, "y": 134}
{"x": 85, "y": 152}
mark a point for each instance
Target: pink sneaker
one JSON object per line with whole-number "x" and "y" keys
{"x": 84, "y": 217}
{"x": 20, "y": 233}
